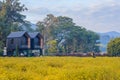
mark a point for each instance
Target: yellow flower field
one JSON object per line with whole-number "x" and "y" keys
{"x": 60, "y": 68}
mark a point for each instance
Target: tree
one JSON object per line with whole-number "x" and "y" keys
{"x": 69, "y": 37}
{"x": 3, "y": 26}
{"x": 40, "y": 27}
{"x": 77, "y": 38}
{"x": 113, "y": 47}
{"x": 46, "y": 27}
{"x": 10, "y": 17}
{"x": 13, "y": 9}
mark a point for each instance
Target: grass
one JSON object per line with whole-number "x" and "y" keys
{"x": 60, "y": 68}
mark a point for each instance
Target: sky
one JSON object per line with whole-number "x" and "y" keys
{"x": 95, "y": 15}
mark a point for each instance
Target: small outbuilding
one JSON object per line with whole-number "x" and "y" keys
{"x": 24, "y": 44}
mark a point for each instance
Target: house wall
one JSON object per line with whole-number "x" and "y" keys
{"x": 32, "y": 43}
{"x": 37, "y": 42}
{"x": 25, "y": 42}
{"x": 13, "y": 45}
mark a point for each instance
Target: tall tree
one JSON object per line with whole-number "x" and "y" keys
{"x": 13, "y": 9}
{"x": 10, "y": 17}
{"x": 46, "y": 27}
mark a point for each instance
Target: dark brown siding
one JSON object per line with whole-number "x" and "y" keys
{"x": 13, "y": 43}
{"x": 20, "y": 43}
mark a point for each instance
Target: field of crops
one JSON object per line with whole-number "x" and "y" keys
{"x": 60, "y": 68}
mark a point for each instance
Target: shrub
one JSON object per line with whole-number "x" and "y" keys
{"x": 113, "y": 47}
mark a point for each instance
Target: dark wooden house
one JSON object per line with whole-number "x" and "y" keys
{"x": 23, "y": 43}
{"x": 17, "y": 41}
{"x": 36, "y": 42}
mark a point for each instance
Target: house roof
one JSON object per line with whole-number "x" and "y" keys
{"x": 34, "y": 34}
{"x": 16, "y": 34}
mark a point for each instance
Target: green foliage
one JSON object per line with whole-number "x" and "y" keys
{"x": 113, "y": 47}
{"x": 52, "y": 47}
{"x": 10, "y": 18}
{"x": 13, "y": 9}
{"x": 40, "y": 27}
{"x": 76, "y": 38}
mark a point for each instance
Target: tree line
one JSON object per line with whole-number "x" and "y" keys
{"x": 61, "y": 34}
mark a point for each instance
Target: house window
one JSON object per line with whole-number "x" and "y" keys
{"x": 12, "y": 41}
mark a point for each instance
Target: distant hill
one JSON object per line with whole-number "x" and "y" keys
{"x": 106, "y": 37}
{"x": 29, "y": 26}
{"x": 112, "y": 34}
{"x": 33, "y": 26}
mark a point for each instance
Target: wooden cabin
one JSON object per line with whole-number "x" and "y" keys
{"x": 23, "y": 43}
{"x": 17, "y": 41}
{"x": 36, "y": 42}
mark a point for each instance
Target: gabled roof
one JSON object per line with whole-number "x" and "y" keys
{"x": 34, "y": 34}
{"x": 16, "y": 34}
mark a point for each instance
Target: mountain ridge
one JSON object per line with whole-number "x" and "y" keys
{"x": 105, "y": 39}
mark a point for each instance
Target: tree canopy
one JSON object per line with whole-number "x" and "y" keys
{"x": 113, "y": 47}
{"x": 69, "y": 37}
{"x": 10, "y": 18}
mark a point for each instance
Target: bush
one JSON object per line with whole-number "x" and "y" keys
{"x": 113, "y": 47}
{"x": 52, "y": 47}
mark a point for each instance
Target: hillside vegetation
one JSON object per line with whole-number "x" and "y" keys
{"x": 60, "y": 68}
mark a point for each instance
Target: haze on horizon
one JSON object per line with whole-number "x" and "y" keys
{"x": 95, "y": 15}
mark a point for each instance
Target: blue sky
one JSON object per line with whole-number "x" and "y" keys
{"x": 96, "y": 15}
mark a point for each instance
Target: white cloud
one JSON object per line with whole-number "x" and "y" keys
{"x": 100, "y": 16}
